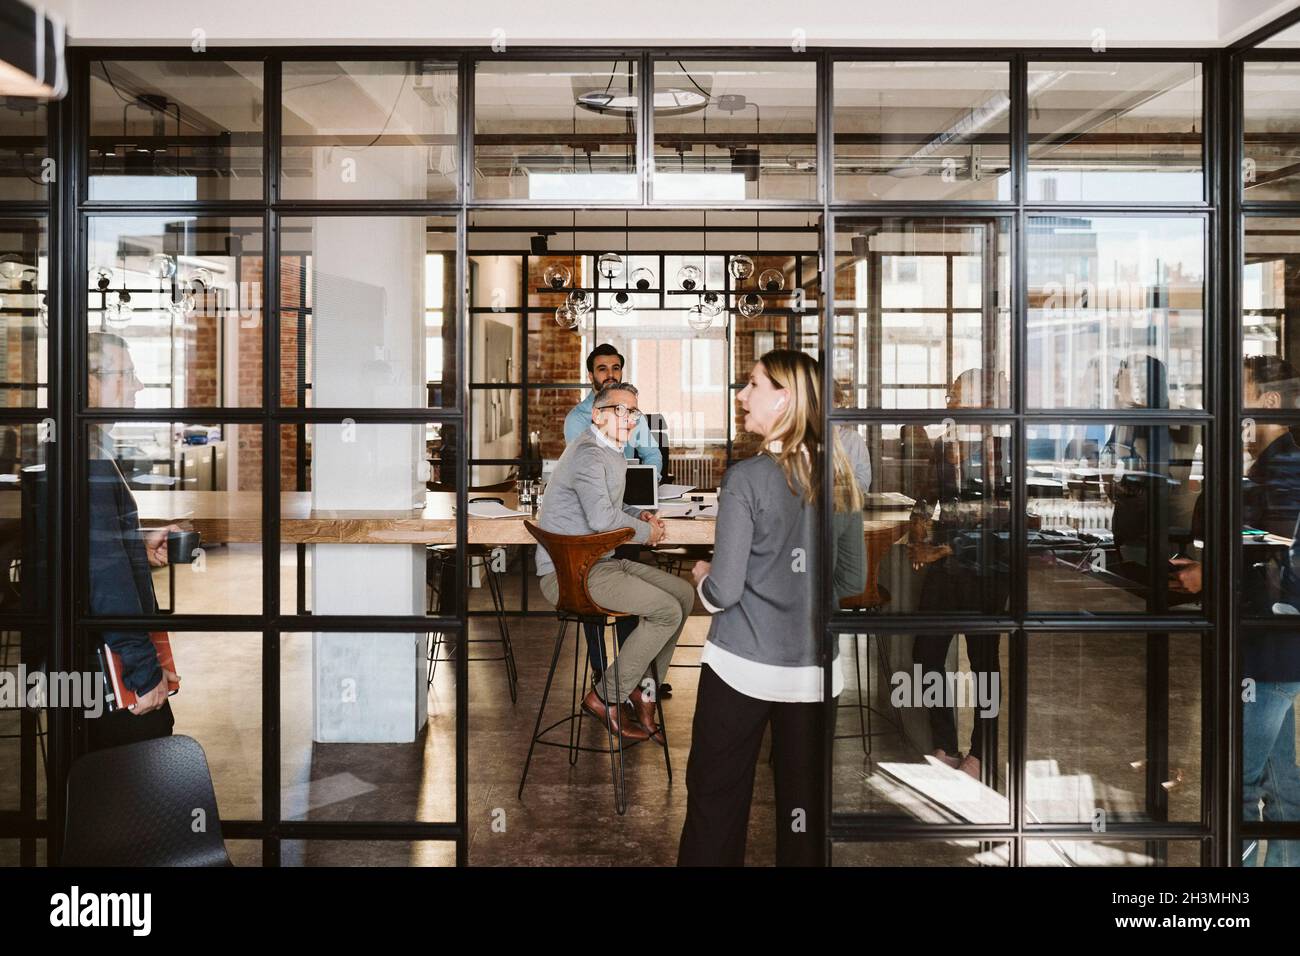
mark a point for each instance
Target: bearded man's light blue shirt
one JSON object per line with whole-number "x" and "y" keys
{"x": 640, "y": 444}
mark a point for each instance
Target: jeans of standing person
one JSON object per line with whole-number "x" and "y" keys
{"x": 1268, "y": 767}
{"x": 726, "y": 738}
{"x": 931, "y": 652}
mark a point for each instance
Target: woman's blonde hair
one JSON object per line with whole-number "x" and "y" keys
{"x": 796, "y": 437}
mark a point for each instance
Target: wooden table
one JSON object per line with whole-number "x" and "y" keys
{"x": 236, "y": 517}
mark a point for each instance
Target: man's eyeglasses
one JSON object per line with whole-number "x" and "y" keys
{"x": 633, "y": 415}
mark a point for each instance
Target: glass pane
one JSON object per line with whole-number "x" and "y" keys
{"x": 226, "y": 722}
{"x": 1270, "y": 780}
{"x": 498, "y": 423}
{"x": 365, "y": 734}
{"x": 368, "y": 312}
{"x": 495, "y": 349}
{"x": 25, "y": 747}
{"x": 923, "y": 725}
{"x": 735, "y": 130}
{"x": 369, "y": 510}
{"x": 547, "y": 410}
{"x": 1270, "y": 341}
{"x": 922, "y": 313}
{"x": 1068, "y": 852}
{"x": 939, "y": 502}
{"x": 367, "y": 853}
{"x": 244, "y": 852}
{"x": 25, "y": 164}
{"x": 25, "y": 518}
{"x": 922, "y": 131}
{"x": 1272, "y": 126}
{"x": 1109, "y": 131}
{"x": 556, "y": 131}
{"x": 185, "y": 294}
{"x": 24, "y": 313}
{"x": 175, "y": 130}
{"x": 175, "y": 522}
{"x": 1116, "y": 312}
{"x": 495, "y": 283}
{"x": 1270, "y": 507}
{"x": 1114, "y": 728}
{"x": 922, "y": 853}
{"x": 11, "y": 853}
{"x": 1114, "y": 515}
{"x": 369, "y": 131}
{"x": 1270, "y": 851}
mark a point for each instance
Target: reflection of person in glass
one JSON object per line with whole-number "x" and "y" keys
{"x": 121, "y": 555}
{"x": 1148, "y": 468}
{"x": 762, "y": 660}
{"x": 964, "y": 552}
{"x": 1270, "y": 779}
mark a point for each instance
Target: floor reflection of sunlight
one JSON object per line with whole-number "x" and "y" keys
{"x": 959, "y": 796}
{"x": 1062, "y": 853}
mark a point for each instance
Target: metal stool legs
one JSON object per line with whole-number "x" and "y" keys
{"x": 614, "y": 745}
{"x": 503, "y": 628}
{"x": 863, "y": 704}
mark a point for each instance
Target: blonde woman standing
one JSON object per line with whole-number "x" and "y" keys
{"x": 761, "y": 661}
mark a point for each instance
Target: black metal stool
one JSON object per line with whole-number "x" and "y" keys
{"x": 480, "y": 556}
{"x": 872, "y": 599}
{"x": 574, "y": 556}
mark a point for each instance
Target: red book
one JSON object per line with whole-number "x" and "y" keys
{"x": 119, "y": 695}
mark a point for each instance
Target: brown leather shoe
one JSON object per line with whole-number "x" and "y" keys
{"x": 620, "y": 720}
{"x": 645, "y": 716}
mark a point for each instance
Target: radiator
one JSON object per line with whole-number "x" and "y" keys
{"x": 694, "y": 470}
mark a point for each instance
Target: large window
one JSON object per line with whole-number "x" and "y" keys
{"x": 1057, "y": 307}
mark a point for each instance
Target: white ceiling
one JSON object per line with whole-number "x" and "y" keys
{"x": 729, "y": 23}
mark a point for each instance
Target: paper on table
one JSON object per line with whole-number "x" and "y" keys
{"x": 494, "y": 509}
{"x": 673, "y": 491}
{"x": 676, "y": 511}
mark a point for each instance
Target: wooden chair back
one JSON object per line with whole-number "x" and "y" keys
{"x": 573, "y": 556}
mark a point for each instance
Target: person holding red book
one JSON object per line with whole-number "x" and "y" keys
{"x": 121, "y": 556}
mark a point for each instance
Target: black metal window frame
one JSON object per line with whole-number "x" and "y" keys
{"x": 1222, "y": 207}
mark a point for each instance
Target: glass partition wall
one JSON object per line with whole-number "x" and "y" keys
{"x": 1021, "y": 266}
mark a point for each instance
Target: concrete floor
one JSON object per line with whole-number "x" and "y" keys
{"x": 1085, "y": 732}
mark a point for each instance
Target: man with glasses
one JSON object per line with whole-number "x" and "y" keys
{"x": 585, "y": 496}
{"x": 122, "y": 555}
{"x": 605, "y": 365}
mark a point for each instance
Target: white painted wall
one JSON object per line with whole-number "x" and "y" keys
{"x": 1171, "y": 23}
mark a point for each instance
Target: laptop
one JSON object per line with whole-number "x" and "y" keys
{"x": 642, "y": 488}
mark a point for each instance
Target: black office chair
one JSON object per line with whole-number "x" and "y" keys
{"x": 139, "y": 805}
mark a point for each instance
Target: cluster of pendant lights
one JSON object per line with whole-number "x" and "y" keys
{"x": 118, "y": 310}
{"x": 571, "y": 313}
{"x": 17, "y": 276}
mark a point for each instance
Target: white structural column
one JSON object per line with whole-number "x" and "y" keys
{"x": 367, "y": 350}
